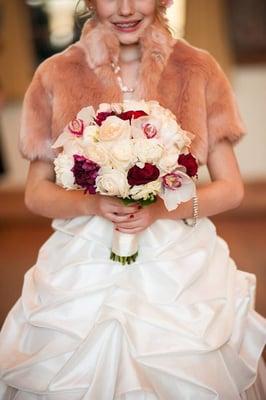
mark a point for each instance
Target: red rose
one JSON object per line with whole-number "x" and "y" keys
{"x": 132, "y": 114}
{"x": 141, "y": 176}
{"x": 101, "y": 117}
{"x": 189, "y": 162}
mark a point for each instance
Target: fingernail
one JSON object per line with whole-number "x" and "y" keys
{"x": 131, "y": 216}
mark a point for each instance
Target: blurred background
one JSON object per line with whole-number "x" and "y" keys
{"x": 234, "y": 31}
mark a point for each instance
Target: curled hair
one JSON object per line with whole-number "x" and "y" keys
{"x": 83, "y": 13}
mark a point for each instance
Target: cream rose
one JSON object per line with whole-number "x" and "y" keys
{"x": 143, "y": 191}
{"x": 122, "y": 155}
{"x": 97, "y": 153}
{"x": 148, "y": 150}
{"x": 113, "y": 128}
{"x": 64, "y": 176}
{"x": 112, "y": 182}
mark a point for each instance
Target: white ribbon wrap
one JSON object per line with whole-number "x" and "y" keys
{"x": 124, "y": 244}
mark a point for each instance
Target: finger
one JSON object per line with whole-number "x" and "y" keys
{"x": 129, "y": 224}
{"x": 122, "y": 218}
{"x": 131, "y": 231}
{"x": 128, "y": 209}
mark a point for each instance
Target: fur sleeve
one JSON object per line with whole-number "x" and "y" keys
{"x": 35, "y": 130}
{"x": 223, "y": 118}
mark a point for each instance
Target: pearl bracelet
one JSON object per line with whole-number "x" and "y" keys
{"x": 195, "y": 207}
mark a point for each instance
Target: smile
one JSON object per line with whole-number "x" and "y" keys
{"x": 127, "y": 26}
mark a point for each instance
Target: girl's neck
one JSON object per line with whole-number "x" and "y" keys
{"x": 129, "y": 53}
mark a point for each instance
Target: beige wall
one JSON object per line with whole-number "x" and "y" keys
{"x": 206, "y": 27}
{"x": 16, "y": 53}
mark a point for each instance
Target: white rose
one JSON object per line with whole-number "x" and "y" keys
{"x": 139, "y": 192}
{"x": 122, "y": 155}
{"x": 98, "y": 154}
{"x": 182, "y": 141}
{"x": 113, "y": 128}
{"x": 132, "y": 105}
{"x": 171, "y": 132}
{"x": 168, "y": 162}
{"x": 64, "y": 176}
{"x": 112, "y": 182}
{"x": 148, "y": 150}
{"x": 156, "y": 110}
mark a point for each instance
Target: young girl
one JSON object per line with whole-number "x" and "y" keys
{"x": 179, "y": 323}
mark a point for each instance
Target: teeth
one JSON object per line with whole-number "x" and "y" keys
{"x": 129, "y": 25}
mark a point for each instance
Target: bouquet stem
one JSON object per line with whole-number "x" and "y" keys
{"x": 123, "y": 260}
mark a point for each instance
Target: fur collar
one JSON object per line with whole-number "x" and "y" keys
{"x": 102, "y": 47}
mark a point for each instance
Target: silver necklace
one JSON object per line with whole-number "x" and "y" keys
{"x": 124, "y": 88}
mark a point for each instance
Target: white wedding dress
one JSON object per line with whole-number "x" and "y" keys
{"x": 177, "y": 324}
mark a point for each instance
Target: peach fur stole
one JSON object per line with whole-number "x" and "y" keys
{"x": 181, "y": 77}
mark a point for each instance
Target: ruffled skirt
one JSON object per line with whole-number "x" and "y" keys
{"x": 179, "y": 323}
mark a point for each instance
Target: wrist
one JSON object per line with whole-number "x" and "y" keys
{"x": 89, "y": 204}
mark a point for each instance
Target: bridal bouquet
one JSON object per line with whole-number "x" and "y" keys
{"x": 133, "y": 150}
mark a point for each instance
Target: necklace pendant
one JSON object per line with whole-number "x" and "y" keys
{"x": 116, "y": 68}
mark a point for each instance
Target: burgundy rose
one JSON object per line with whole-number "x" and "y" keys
{"x": 76, "y": 126}
{"x": 128, "y": 115}
{"x": 101, "y": 117}
{"x": 189, "y": 162}
{"x": 141, "y": 176}
{"x": 85, "y": 172}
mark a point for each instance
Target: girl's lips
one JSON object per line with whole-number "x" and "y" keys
{"x": 127, "y": 26}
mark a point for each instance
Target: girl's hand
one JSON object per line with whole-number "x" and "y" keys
{"x": 141, "y": 219}
{"x": 113, "y": 209}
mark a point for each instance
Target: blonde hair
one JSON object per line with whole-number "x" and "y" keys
{"x": 88, "y": 12}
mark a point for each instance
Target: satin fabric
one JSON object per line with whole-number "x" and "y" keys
{"x": 179, "y": 323}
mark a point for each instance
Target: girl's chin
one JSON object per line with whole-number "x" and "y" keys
{"x": 128, "y": 41}
{"x": 129, "y": 38}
